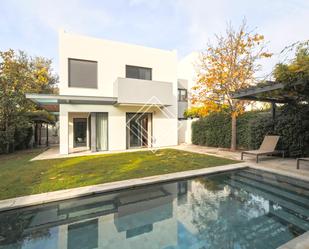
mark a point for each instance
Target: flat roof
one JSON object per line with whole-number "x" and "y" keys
{"x": 50, "y": 102}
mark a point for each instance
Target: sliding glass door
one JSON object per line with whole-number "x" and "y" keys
{"x": 101, "y": 131}
{"x": 139, "y": 130}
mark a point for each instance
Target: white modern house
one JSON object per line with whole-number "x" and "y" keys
{"x": 114, "y": 96}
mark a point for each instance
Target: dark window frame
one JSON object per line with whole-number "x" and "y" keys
{"x": 141, "y": 68}
{"x": 69, "y": 69}
{"x": 74, "y": 131}
{"x": 186, "y": 96}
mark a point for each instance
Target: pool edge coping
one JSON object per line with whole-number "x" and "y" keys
{"x": 279, "y": 171}
{"x": 300, "y": 242}
{"x": 59, "y": 195}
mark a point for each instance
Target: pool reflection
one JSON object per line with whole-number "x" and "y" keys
{"x": 118, "y": 220}
{"x": 219, "y": 211}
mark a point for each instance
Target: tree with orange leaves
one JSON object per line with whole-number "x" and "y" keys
{"x": 223, "y": 68}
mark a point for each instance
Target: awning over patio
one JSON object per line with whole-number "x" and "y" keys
{"x": 270, "y": 91}
{"x": 50, "y": 102}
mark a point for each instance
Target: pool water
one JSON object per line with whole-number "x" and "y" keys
{"x": 238, "y": 209}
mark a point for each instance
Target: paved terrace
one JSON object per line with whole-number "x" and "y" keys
{"x": 270, "y": 162}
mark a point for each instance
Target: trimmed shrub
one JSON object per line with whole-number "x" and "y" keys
{"x": 20, "y": 139}
{"x": 23, "y": 137}
{"x": 213, "y": 130}
{"x": 292, "y": 124}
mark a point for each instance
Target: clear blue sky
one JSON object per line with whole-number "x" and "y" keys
{"x": 185, "y": 25}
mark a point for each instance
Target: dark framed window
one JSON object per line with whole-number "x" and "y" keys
{"x": 83, "y": 235}
{"x": 182, "y": 95}
{"x": 182, "y": 188}
{"x": 80, "y": 132}
{"x": 83, "y": 73}
{"x": 143, "y": 73}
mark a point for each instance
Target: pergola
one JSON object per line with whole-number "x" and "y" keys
{"x": 271, "y": 92}
{"x": 38, "y": 118}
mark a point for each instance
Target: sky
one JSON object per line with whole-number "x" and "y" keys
{"x": 184, "y": 25}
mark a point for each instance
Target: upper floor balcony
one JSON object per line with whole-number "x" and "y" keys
{"x": 143, "y": 92}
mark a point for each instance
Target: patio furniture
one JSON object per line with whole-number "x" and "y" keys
{"x": 301, "y": 159}
{"x": 267, "y": 148}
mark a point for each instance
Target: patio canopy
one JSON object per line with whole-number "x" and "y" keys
{"x": 50, "y": 102}
{"x": 270, "y": 91}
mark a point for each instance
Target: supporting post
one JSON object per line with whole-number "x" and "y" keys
{"x": 64, "y": 130}
{"x": 273, "y": 112}
{"x": 93, "y": 132}
{"x": 36, "y": 134}
{"x": 47, "y": 142}
{"x": 40, "y": 134}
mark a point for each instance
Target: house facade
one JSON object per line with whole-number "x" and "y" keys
{"x": 113, "y": 96}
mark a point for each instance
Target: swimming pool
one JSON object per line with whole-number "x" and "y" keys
{"x": 237, "y": 209}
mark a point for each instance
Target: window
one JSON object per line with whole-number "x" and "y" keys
{"x": 80, "y": 132}
{"x": 182, "y": 95}
{"x": 83, "y": 73}
{"x": 83, "y": 235}
{"x": 142, "y": 73}
{"x": 182, "y": 188}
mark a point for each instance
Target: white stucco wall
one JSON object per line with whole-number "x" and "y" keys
{"x": 112, "y": 58}
{"x": 187, "y": 74}
{"x": 187, "y": 69}
{"x": 164, "y": 130}
{"x": 185, "y": 131}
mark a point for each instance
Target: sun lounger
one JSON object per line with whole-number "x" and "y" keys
{"x": 267, "y": 147}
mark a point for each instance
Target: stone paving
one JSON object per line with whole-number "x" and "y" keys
{"x": 271, "y": 162}
{"x": 53, "y": 153}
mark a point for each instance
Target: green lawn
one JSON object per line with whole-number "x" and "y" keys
{"x": 19, "y": 176}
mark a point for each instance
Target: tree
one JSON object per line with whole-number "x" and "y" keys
{"x": 225, "y": 67}
{"x": 297, "y": 70}
{"x": 20, "y": 74}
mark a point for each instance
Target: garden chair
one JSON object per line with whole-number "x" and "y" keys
{"x": 267, "y": 147}
{"x": 301, "y": 159}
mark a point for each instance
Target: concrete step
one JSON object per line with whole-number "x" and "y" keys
{"x": 274, "y": 190}
{"x": 275, "y": 182}
{"x": 270, "y": 196}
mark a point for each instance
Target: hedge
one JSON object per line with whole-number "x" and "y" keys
{"x": 214, "y": 130}
{"x": 292, "y": 124}
{"x": 22, "y": 138}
